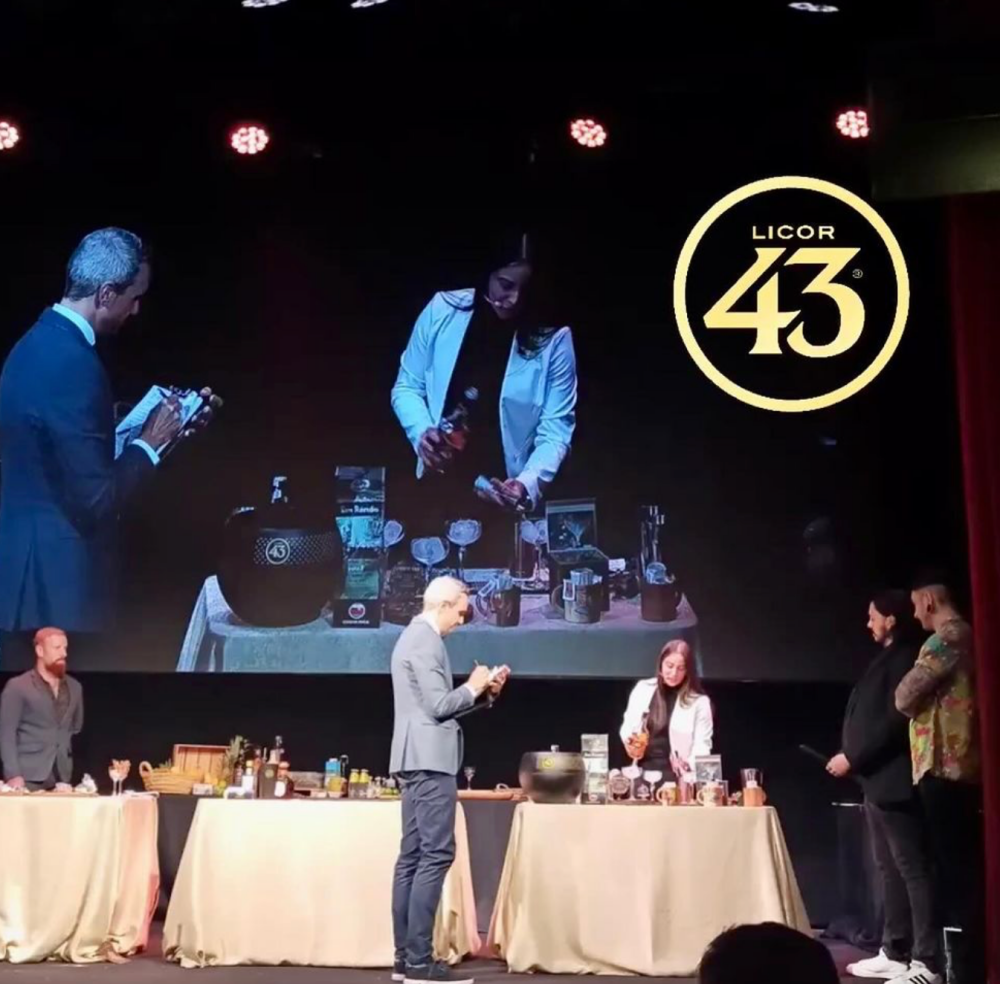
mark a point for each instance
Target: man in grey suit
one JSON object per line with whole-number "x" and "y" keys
{"x": 40, "y": 711}
{"x": 426, "y": 756}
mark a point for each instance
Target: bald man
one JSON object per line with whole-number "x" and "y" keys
{"x": 426, "y": 756}
{"x": 40, "y": 711}
{"x": 939, "y": 697}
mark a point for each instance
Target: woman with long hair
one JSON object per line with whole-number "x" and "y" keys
{"x": 668, "y": 720}
{"x": 491, "y": 340}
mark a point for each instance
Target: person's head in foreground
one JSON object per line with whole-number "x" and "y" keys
{"x": 767, "y": 953}
{"x": 51, "y": 650}
{"x": 446, "y": 600}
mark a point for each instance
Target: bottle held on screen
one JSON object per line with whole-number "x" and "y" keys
{"x": 455, "y": 426}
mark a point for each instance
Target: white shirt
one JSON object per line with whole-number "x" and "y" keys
{"x": 691, "y": 724}
{"x": 88, "y": 333}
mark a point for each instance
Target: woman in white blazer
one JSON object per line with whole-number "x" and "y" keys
{"x": 674, "y": 710}
{"x": 529, "y": 373}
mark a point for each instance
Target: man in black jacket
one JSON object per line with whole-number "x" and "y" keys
{"x": 876, "y": 752}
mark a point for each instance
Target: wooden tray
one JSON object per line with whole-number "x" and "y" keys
{"x": 490, "y": 794}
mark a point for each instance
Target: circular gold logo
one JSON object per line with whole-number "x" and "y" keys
{"x": 833, "y": 334}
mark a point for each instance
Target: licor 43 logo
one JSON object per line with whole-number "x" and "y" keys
{"x": 751, "y": 303}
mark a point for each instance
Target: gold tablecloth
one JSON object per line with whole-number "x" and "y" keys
{"x": 79, "y": 876}
{"x": 296, "y": 882}
{"x": 637, "y": 889}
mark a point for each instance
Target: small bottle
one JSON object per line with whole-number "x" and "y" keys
{"x": 331, "y": 777}
{"x": 354, "y": 784}
{"x": 278, "y": 753}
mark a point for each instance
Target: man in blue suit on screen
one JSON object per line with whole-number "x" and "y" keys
{"x": 62, "y": 488}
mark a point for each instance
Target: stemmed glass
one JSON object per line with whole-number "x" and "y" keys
{"x": 535, "y": 532}
{"x": 118, "y": 772}
{"x": 428, "y": 551}
{"x": 392, "y": 533}
{"x": 469, "y": 771}
{"x": 463, "y": 533}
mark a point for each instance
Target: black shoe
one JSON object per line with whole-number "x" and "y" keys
{"x": 435, "y": 973}
{"x": 399, "y": 971}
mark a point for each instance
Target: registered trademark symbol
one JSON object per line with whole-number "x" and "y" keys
{"x": 857, "y": 274}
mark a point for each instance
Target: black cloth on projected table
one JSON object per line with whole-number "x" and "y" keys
{"x": 482, "y": 363}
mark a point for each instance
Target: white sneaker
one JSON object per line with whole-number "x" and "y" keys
{"x": 880, "y": 967}
{"x": 918, "y": 974}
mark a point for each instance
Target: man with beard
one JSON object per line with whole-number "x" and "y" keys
{"x": 40, "y": 711}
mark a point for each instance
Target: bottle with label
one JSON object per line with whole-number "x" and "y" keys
{"x": 454, "y": 427}
{"x": 331, "y": 777}
{"x": 354, "y": 784}
{"x": 345, "y": 785}
{"x": 249, "y": 779}
{"x": 268, "y": 776}
{"x": 283, "y": 784}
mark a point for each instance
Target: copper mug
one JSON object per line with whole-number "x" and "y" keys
{"x": 668, "y": 794}
{"x": 687, "y": 792}
{"x": 753, "y": 789}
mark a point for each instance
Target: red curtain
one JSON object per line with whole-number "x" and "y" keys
{"x": 974, "y": 231}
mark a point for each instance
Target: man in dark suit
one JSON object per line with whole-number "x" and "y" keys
{"x": 876, "y": 751}
{"x": 426, "y": 756}
{"x": 40, "y": 711}
{"x": 61, "y": 488}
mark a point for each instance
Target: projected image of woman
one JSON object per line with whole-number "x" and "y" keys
{"x": 668, "y": 720}
{"x": 488, "y": 350}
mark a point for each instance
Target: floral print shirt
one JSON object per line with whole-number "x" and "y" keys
{"x": 938, "y": 695}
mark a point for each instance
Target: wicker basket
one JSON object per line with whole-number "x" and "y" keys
{"x": 165, "y": 780}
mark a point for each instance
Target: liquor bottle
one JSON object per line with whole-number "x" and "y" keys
{"x": 345, "y": 785}
{"x": 454, "y": 427}
{"x": 283, "y": 784}
{"x": 249, "y": 780}
{"x": 268, "y": 776}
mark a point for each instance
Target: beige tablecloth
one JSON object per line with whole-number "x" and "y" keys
{"x": 295, "y": 882}
{"x": 637, "y": 889}
{"x": 79, "y": 876}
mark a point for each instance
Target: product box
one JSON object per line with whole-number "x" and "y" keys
{"x": 595, "y": 763}
{"x": 360, "y": 512}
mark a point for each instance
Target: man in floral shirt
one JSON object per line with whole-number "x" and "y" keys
{"x": 939, "y": 697}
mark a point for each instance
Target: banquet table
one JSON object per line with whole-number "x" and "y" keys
{"x": 625, "y": 889}
{"x": 79, "y": 876}
{"x": 273, "y": 882}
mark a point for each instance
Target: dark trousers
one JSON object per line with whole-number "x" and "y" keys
{"x": 955, "y": 830}
{"x": 899, "y": 842}
{"x": 425, "y": 855}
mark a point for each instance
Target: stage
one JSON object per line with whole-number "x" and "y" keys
{"x": 150, "y": 968}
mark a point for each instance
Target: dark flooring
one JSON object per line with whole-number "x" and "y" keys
{"x": 150, "y": 968}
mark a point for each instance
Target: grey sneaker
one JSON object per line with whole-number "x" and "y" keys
{"x": 435, "y": 973}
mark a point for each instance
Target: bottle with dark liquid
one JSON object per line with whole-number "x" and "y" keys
{"x": 454, "y": 427}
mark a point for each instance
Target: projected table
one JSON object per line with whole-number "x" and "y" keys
{"x": 637, "y": 889}
{"x": 621, "y": 644}
{"x": 273, "y": 882}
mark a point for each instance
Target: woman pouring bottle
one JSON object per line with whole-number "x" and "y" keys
{"x": 668, "y": 720}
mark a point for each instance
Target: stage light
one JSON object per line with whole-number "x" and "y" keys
{"x": 261, "y": 3}
{"x": 250, "y": 139}
{"x": 9, "y": 135}
{"x": 588, "y": 133}
{"x": 815, "y": 8}
{"x": 853, "y": 123}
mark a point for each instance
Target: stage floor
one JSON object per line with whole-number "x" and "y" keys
{"x": 150, "y": 968}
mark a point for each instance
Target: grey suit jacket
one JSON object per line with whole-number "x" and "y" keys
{"x": 425, "y": 733}
{"x": 32, "y": 740}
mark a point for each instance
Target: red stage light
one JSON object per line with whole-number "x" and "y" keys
{"x": 9, "y": 135}
{"x": 588, "y": 133}
{"x": 853, "y": 123}
{"x": 249, "y": 139}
